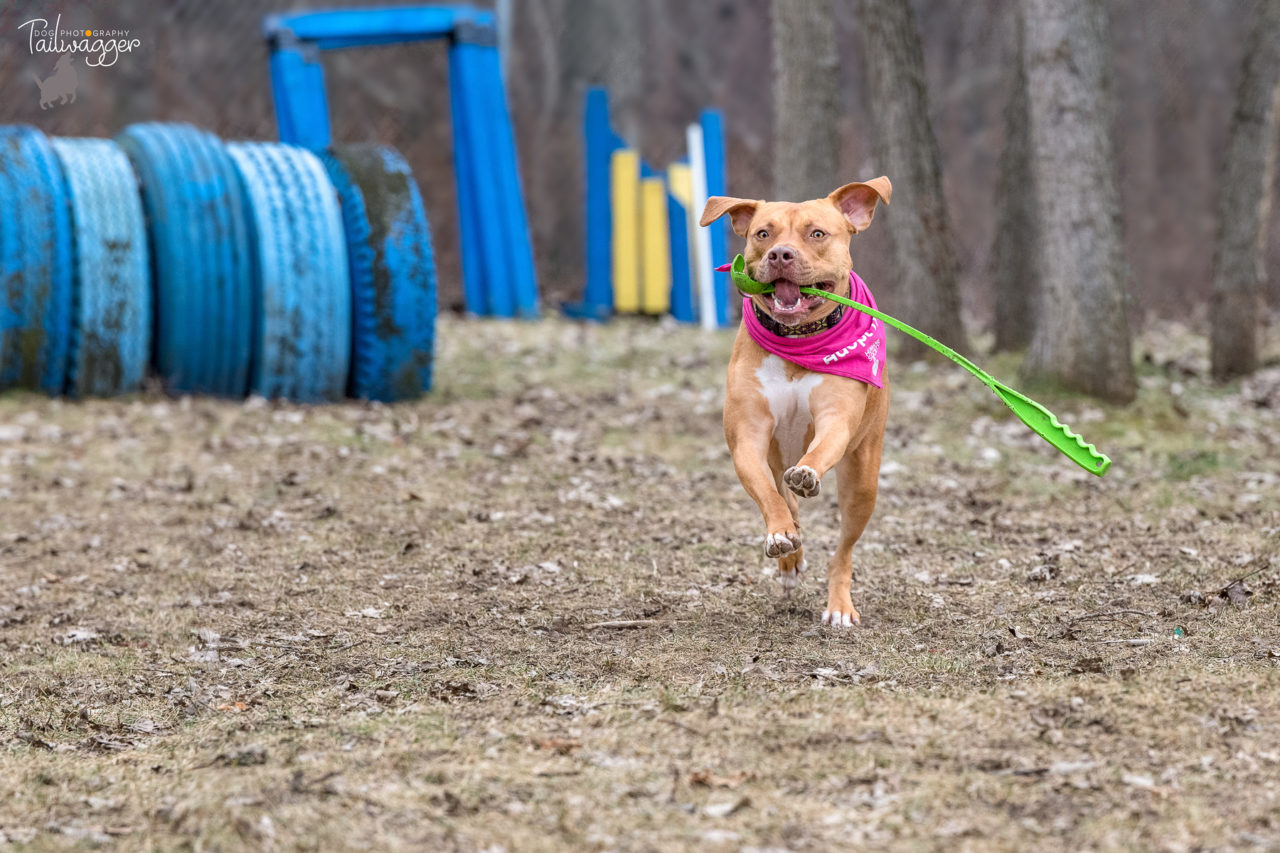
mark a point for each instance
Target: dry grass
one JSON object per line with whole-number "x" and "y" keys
{"x": 360, "y": 627}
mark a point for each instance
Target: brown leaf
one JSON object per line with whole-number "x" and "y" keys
{"x": 707, "y": 779}
{"x": 560, "y": 746}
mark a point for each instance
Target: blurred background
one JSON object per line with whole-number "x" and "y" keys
{"x": 1173, "y": 70}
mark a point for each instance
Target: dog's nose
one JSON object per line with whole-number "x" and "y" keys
{"x": 782, "y": 254}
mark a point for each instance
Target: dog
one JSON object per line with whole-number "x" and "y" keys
{"x": 822, "y": 405}
{"x": 59, "y": 86}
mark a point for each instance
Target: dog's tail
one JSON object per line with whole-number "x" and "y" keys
{"x": 39, "y": 82}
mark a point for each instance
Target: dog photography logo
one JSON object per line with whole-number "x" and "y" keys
{"x": 67, "y": 47}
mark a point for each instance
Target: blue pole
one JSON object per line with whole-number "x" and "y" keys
{"x": 297, "y": 85}
{"x": 473, "y": 274}
{"x": 599, "y": 143}
{"x": 713, "y": 143}
{"x": 682, "y": 307}
{"x": 518, "y": 270}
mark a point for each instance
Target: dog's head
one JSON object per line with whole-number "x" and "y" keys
{"x": 801, "y": 244}
{"x": 64, "y": 61}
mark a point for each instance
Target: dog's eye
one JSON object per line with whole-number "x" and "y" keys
{"x": 762, "y": 234}
{"x": 818, "y": 234}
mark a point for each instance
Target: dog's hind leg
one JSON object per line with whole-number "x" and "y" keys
{"x": 857, "y": 478}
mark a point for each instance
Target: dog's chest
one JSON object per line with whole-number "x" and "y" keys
{"x": 789, "y": 404}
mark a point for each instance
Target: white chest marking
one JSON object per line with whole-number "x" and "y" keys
{"x": 789, "y": 404}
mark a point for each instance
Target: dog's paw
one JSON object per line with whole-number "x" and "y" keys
{"x": 840, "y": 614}
{"x": 790, "y": 569}
{"x": 778, "y": 544}
{"x": 802, "y": 480}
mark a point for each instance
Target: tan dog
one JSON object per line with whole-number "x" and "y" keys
{"x": 787, "y": 425}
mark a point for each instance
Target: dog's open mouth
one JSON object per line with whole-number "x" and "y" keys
{"x": 788, "y": 301}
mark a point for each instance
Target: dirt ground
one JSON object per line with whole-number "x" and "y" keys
{"x": 532, "y": 613}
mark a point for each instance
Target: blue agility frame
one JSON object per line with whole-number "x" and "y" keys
{"x": 497, "y": 256}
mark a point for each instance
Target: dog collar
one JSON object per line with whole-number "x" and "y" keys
{"x": 772, "y": 325}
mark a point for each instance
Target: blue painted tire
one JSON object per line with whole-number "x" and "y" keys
{"x": 302, "y": 299}
{"x": 35, "y": 263}
{"x": 201, "y": 264}
{"x": 111, "y": 294}
{"x": 393, "y": 274}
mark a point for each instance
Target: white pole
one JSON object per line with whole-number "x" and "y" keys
{"x": 503, "y": 12}
{"x": 700, "y": 246}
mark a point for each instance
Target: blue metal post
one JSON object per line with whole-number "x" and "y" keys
{"x": 517, "y": 271}
{"x": 480, "y": 183}
{"x": 297, "y": 84}
{"x": 713, "y": 143}
{"x": 682, "y": 307}
{"x": 599, "y": 143}
{"x": 469, "y": 226}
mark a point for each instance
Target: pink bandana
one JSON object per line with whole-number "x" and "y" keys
{"x": 853, "y": 347}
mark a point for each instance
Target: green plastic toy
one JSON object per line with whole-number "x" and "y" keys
{"x": 1044, "y": 422}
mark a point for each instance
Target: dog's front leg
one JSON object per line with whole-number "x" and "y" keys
{"x": 835, "y": 421}
{"x": 749, "y": 446}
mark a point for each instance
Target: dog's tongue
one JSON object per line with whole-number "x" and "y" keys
{"x": 787, "y": 292}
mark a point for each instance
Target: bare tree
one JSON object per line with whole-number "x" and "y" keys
{"x": 1244, "y": 201}
{"x": 1082, "y": 339}
{"x": 907, "y": 151}
{"x": 1013, "y": 254}
{"x": 805, "y": 99}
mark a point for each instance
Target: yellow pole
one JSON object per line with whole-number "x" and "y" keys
{"x": 624, "y": 176}
{"x": 655, "y": 246}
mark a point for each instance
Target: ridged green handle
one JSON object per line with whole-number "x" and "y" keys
{"x": 1044, "y": 422}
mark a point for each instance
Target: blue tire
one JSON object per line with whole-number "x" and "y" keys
{"x": 393, "y": 275}
{"x": 35, "y": 263}
{"x": 111, "y": 294}
{"x": 201, "y": 262}
{"x": 302, "y": 298}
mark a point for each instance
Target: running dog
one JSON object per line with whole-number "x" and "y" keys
{"x": 807, "y": 389}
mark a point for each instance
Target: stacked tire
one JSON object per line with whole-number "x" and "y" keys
{"x": 201, "y": 257}
{"x": 35, "y": 263}
{"x": 224, "y": 269}
{"x": 393, "y": 279}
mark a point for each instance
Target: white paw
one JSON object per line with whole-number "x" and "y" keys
{"x": 778, "y": 544}
{"x": 802, "y": 480}
{"x": 790, "y": 580}
{"x": 836, "y": 619}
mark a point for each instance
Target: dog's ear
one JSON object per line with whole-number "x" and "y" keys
{"x": 740, "y": 211}
{"x": 857, "y": 201}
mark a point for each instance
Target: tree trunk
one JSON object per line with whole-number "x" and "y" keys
{"x": 907, "y": 151}
{"x": 1082, "y": 339}
{"x": 1244, "y": 202}
{"x": 805, "y": 100}
{"x": 1013, "y": 254}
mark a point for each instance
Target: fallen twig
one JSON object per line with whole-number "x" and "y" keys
{"x": 622, "y": 623}
{"x": 1110, "y": 614}
{"x": 1242, "y": 579}
{"x": 1144, "y": 641}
